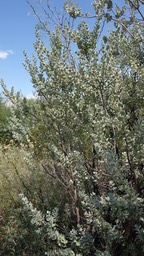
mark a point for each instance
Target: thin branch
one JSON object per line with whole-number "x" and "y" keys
{"x": 87, "y": 17}
{"x": 129, "y": 160}
{"x": 64, "y": 185}
{"x": 137, "y": 8}
{"x": 39, "y": 19}
{"x": 123, "y": 25}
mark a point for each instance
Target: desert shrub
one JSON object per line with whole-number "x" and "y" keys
{"x": 84, "y": 195}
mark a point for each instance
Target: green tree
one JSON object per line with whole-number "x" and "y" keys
{"x": 5, "y": 113}
{"x": 90, "y": 129}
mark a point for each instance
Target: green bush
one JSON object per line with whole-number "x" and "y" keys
{"x": 84, "y": 194}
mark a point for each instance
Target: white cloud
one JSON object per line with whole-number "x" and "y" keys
{"x": 5, "y": 54}
{"x": 31, "y": 96}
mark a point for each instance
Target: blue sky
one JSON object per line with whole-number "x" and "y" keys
{"x": 17, "y": 33}
{"x": 17, "y": 25}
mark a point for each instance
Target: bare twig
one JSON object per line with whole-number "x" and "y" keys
{"x": 38, "y": 17}
{"x": 137, "y": 8}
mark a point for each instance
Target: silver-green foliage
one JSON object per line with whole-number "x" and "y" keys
{"x": 89, "y": 130}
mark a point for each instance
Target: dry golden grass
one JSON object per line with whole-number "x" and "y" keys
{"x": 13, "y": 171}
